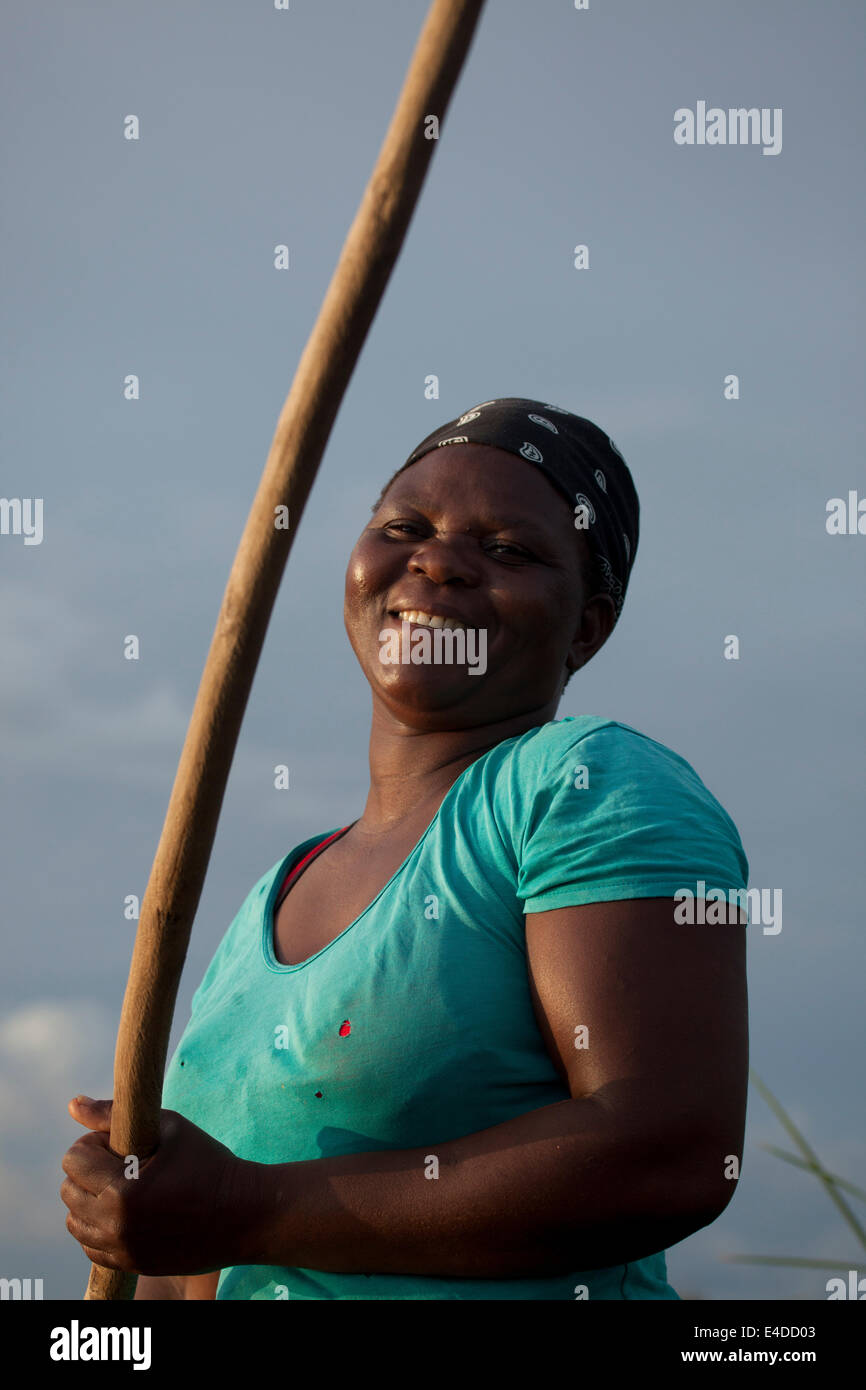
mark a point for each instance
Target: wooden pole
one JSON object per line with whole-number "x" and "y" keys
{"x": 174, "y": 887}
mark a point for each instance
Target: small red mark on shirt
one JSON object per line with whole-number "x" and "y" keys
{"x": 345, "y": 1028}
{"x": 318, "y": 1095}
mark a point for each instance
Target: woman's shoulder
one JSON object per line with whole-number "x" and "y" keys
{"x": 614, "y": 762}
{"x": 610, "y": 740}
{"x": 594, "y": 808}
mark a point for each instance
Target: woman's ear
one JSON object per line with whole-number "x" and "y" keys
{"x": 597, "y": 622}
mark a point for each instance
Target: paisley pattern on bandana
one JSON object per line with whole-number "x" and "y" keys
{"x": 577, "y": 457}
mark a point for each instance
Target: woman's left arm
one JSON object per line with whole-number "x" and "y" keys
{"x": 646, "y": 1021}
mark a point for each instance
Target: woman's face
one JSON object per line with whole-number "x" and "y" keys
{"x": 473, "y": 533}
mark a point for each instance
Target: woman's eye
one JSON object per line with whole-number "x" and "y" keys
{"x": 515, "y": 550}
{"x": 414, "y": 528}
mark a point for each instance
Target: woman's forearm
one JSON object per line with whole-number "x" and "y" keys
{"x": 151, "y": 1287}
{"x": 569, "y": 1186}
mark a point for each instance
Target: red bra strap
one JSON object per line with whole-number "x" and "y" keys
{"x": 311, "y": 854}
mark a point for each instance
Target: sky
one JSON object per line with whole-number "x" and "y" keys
{"x": 155, "y": 257}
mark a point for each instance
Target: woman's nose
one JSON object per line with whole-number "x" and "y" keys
{"x": 445, "y": 556}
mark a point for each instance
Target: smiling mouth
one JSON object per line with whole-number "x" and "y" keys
{"x": 420, "y": 619}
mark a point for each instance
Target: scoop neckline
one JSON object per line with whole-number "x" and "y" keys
{"x": 269, "y": 926}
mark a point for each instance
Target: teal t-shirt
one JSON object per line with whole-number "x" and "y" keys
{"x": 432, "y": 980}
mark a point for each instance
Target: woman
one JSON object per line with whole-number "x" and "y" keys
{"x": 462, "y": 1047}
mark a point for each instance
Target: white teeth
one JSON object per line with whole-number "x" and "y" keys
{"x": 414, "y": 615}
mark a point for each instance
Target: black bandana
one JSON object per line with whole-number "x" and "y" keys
{"x": 579, "y": 460}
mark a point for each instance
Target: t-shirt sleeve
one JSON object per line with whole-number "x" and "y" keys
{"x": 614, "y": 814}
